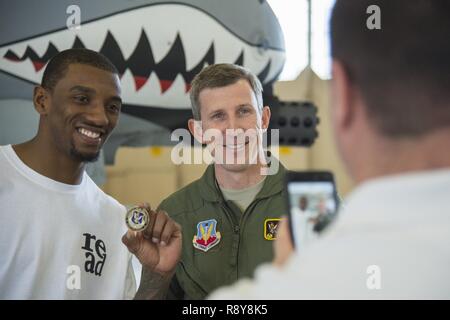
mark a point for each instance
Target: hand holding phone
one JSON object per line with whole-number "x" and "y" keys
{"x": 312, "y": 201}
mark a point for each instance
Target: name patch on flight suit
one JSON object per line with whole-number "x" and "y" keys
{"x": 271, "y": 228}
{"x": 207, "y": 236}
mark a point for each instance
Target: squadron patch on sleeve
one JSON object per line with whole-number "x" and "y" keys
{"x": 271, "y": 228}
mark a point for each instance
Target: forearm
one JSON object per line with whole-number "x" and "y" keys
{"x": 153, "y": 286}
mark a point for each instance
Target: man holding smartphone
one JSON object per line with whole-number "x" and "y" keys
{"x": 391, "y": 119}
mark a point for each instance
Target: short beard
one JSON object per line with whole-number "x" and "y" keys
{"x": 81, "y": 157}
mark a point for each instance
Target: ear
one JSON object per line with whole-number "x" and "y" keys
{"x": 342, "y": 96}
{"x": 195, "y": 128}
{"x": 265, "y": 118}
{"x": 41, "y": 100}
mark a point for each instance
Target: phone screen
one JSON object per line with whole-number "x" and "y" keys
{"x": 312, "y": 206}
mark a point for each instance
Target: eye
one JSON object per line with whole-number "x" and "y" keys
{"x": 244, "y": 111}
{"x": 114, "y": 107}
{"x": 217, "y": 116}
{"x": 81, "y": 99}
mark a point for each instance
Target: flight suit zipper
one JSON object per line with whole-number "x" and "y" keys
{"x": 238, "y": 227}
{"x": 242, "y": 221}
{"x": 236, "y": 233}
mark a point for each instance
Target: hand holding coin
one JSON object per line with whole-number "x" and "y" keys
{"x": 154, "y": 238}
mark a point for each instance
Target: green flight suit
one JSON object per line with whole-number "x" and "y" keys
{"x": 244, "y": 241}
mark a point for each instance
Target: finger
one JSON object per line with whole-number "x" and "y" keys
{"x": 148, "y": 232}
{"x": 131, "y": 240}
{"x": 146, "y": 205}
{"x": 169, "y": 230}
{"x": 160, "y": 222}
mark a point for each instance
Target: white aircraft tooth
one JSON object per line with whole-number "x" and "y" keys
{"x": 63, "y": 40}
{"x": 17, "y": 48}
{"x": 176, "y": 94}
{"x": 93, "y": 34}
{"x": 160, "y": 31}
{"x": 127, "y": 29}
{"x": 229, "y": 48}
{"x": 3, "y": 51}
{"x": 196, "y": 37}
{"x": 254, "y": 59}
{"x": 24, "y": 70}
{"x": 40, "y": 45}
{"x": 150, "y": 92}
{"x": 128, "y": 86}
{"x": 276, "y": 65}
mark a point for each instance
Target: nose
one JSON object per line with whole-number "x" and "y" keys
{"x": 232, "y": 124}
{"x": 97, "y": 115}
{"x": 235, "y": 129}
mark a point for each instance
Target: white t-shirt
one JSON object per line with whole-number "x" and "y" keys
{"x": 391, "y": 241}
{"x": 59, "y": 241}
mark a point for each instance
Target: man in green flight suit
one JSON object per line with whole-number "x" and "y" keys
{"x": 230, "y": 215}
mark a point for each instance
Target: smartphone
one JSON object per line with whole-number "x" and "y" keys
{"x": 312, "y": 202}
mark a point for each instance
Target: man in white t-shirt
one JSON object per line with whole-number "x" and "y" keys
{"x": 391, "y": 119}
{"x": 60, "y": 235}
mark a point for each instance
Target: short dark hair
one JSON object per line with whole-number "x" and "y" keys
{"x": 57, "y": 66}
{"x": 222, "y": 75}
{"x": 403, "y": 69}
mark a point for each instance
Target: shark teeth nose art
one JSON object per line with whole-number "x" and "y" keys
{"x": 157, "y": 57}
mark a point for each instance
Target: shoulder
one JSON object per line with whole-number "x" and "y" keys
{"x": 5, "y": 161}
{"x": 104, "y": 200}
{"x": 5, "y": 166}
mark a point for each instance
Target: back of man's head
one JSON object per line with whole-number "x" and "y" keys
{"x": 58, "y": 65}
{"x": 401, "y": 70}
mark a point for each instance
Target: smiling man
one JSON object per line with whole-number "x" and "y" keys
{"x": 60, "y": 235}
{"x": 226, "y": 214}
